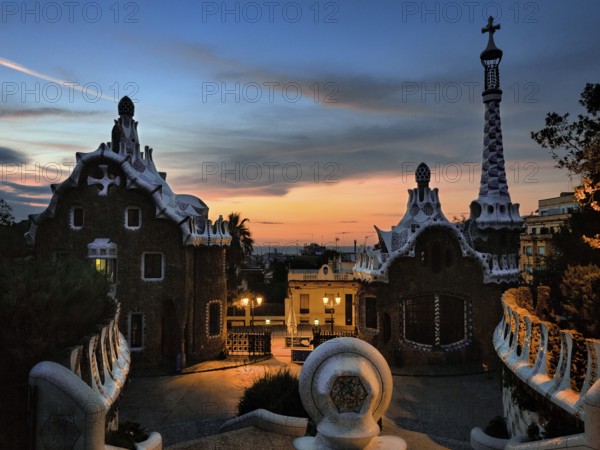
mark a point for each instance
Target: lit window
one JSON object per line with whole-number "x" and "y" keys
{"x": 528, "y": 250}
{"x": 77, "y": 218}
{"x": 541, "y": 251}
{"x": 133, "y": 218}
{"x": 108, "y": 267}
{"x": 136, "y": 331}
{"x": 152, "y": 266}
{"x": 103, "y": 254}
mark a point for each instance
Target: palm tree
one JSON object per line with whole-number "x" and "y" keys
{"x": 241, "y": 248}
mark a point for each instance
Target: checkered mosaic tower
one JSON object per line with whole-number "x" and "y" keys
{"x": 494, "y": 220}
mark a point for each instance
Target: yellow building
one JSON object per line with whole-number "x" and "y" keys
{"x": 309, "y": 287}
{"x": 536, "y": 239}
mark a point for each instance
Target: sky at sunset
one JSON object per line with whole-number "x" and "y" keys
{"x": 307, "y": 117}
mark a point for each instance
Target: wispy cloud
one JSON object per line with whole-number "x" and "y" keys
{"x": 20, "y": 68}
{"x": 25, "y": 199}
{"x": 24, "y": 113}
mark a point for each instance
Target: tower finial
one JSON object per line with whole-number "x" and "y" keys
{"x": 491, "y": 57}
{"x": 126, "y": 107}
{"x": 423, "y": 175}
{"x": 490, "y": 28}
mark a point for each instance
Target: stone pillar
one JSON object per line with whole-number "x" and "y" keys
{"x": 346, "y": 386}
{"x": 69, "y": 414}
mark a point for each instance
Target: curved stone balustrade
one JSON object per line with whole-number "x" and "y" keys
{"x": 513, "y": 340}
{"x": 72, "y": 412}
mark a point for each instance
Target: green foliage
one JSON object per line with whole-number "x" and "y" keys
{"x": 276, "y": 392}
{"x": 12, "y": 241}
{"x": 46, "y": 306}
{"x": 241, "y": 248}
{"x": 576, "y": 140}
{"x": 580, "y": 287}
{"x": 6, "y": 217}
{"x": 568, "y": 249}
{"x": 277, "y": 289}
{"x": 571, "y": 271}
{"x": 579, "y": 145}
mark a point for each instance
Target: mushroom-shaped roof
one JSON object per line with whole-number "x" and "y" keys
{"x": 126, "y": 107}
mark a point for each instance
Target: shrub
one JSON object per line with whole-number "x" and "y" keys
{"x": 47, "y": 306}
{"x": 580, "y": 287}
{"x": 276, "y": 392}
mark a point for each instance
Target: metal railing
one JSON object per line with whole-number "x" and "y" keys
{"x": 248, "y": 341}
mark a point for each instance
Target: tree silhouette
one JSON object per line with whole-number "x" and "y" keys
{"x": 575, "y": 146}
{"x": 242, "y": 245}
{"x": 572, "y": 270}
{"x": 6, "y": 217}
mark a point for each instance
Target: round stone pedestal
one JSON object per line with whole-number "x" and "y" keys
{"x": 346, "y": 386}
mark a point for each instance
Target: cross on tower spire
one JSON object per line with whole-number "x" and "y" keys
{"x": 490, "y": 58}
{"x": 490, "y": 28}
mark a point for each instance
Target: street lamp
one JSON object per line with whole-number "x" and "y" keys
{"x": 252, "y": 302}
{"x": 330, "y": 304}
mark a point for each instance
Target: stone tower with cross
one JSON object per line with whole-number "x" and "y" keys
{"x": 494, "y": 224}
{"x": 429, "y": 291}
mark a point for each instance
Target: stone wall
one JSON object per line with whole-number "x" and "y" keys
{"x": 208, "y": 272}
{"x": 175, "y": 308}
{"x": 105, "y": 218}
{"x": 451, "y": 275}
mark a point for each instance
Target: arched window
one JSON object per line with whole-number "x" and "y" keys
{"x": 418, "y": 320}
{"x": 435, "y": 320}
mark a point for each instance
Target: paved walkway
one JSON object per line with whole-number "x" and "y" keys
{"x": 429, "y": 412}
